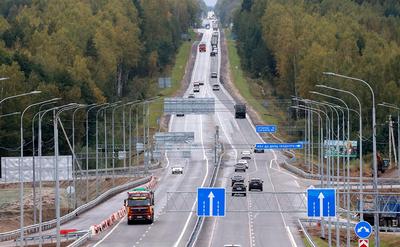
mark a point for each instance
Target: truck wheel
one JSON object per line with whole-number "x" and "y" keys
{"x": 129, "y": 222}
{"x": 233, "y": 194}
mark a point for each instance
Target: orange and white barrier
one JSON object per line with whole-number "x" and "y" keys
{"x": 152, "y": 183}
{"x": 96, "y": 229}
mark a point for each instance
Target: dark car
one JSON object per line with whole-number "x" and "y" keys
{"x": 212, "y": 54}
{"x": 240, "y": 167}
{"x": 239, "y": 189}
{"x": 256, "y": 184}
{"x": 256, "y": 150}
{"x": 237, "y": 179}
{"x": 214, "y": 75}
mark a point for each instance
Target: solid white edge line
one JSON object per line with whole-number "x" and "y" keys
{"x": 109, "y": 233}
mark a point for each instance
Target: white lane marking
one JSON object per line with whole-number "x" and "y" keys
{"x": 110, "y": 232}
{"x": 202, "y": 184}
{"x": 293, "y": 243}
{"x": 297, "y": 184}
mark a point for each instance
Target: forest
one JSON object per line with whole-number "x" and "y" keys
{"x": 288, "y": 44}
{"x": 85, "y": 51}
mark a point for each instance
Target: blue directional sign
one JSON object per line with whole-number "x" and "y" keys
{"x": 363, "y": 229}
{"x": 321, "y": 202}
{"x": 265, "y": 128}
{"x": 210, "y": 202}
{"x": 279, "y": 146}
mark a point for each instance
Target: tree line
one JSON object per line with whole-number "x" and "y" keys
{"x": 289, "y": 43}
{"x": 86, "y": 51}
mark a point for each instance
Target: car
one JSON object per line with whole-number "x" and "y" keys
{"x": 213, "y": 54}
{"x": 215, "y": 87}
{"x": 214, "y": 75}
{"x": 237, "y": 179}
{"x": 177, "y": 170}
{"x": 196, "y": 89}
{"x": 256, "y": 184}
{"x": 191, "y": 96}
{"x": 239, "y": 189}
{"x": 180, "y": 114}
{"x": 246, "y": 155}
{"x": 201, "y": 83}
{"x": 256, "y": 150}
{"x": 240, "y": 168}
{"x": 244, "y": 162}
{"x": 215, "y": 50}
{"x": 196, "y": 84}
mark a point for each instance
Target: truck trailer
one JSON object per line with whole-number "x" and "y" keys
{"x": 240, "y": 110}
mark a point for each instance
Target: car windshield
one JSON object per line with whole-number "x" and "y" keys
{"x": 138, "y": 202}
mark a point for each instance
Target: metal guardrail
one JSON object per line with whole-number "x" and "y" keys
{"x": 6, "y": 236}
{"x": 309, "y": 239}
{"x": 367, "y": 181}
{"x": 80, "y": 241}
{"x": 51, "y": 237}
{"x": 200, "y": 220}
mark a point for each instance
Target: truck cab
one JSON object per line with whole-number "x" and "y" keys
{"x": 140, "y": 205}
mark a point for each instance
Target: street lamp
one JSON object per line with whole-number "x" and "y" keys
{"x": 21, "y": 179}
{"x": 375, "y": 162}
{"x": 19, "y": 95}
{"x": 10, "y": 114}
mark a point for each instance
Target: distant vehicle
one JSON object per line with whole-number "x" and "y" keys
{"x": 202, "y": 47}
{"x": 140, "y": 205}
{"x": 256, "y": 184}
{"x": 214, "y": 41}
{"x": 239, "y": 189}
{"x": 240, "y": 111}
{"x": 196, "y": 84}
{"x": 244, "y": 162}
{"x": 201, "y": 83}
{"x": 177, "y": 170}
{"x": 215, "y": 25}
{"x": 215, "y": 50}
{"x": 214, "y": 74}
{"x": 207, "y": 26}
{"x": 256, "y": 150}
{"x": 191, "y": 96}
{"x": 240, "y": 168}
{"x": 196, "y": 89}
{"x": 180, "y": 114}
{"x": 213, "y": 54}
{"x": 215, "y": 87}
{"x": 246, "y": 155}
{"x": 389, "y": 205}
{"x": 236, "y": 179}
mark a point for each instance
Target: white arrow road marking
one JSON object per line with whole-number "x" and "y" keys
{"x": 321, "y": 204}
{"x": 211, "y": 198}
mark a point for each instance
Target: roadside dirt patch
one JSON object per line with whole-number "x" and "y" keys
{"x": 10, "y": 206}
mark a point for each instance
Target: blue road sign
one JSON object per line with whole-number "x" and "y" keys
{"x": 321, "y": 202}
{"x": 265, "y": 128}
{"x": 210, "y": 202}
{"x": 279, "y": 145}
{"x": 363, "y": 229}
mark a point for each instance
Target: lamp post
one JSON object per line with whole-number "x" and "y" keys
{"x": 21, "y": 179}
{"x": 360, "y": 140}
{"x": 87, "y": 147}
{"x": 375, "y": 163}
{"x": 33, "y": 158}
{"x": 56, "y": 154}
{"x": 113, "y": 133}
{"x": 20, "y": 95}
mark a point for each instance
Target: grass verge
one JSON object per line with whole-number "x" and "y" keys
{"x": 248, "y": 88}
{"x": 177, "y": 73}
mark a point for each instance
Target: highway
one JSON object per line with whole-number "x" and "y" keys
{"x": 174, "y": 228}
{"x": 244, "y": 228}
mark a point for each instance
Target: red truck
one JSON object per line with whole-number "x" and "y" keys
{"x": 202, "y": 47}
{"x": 140, "y": 205}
